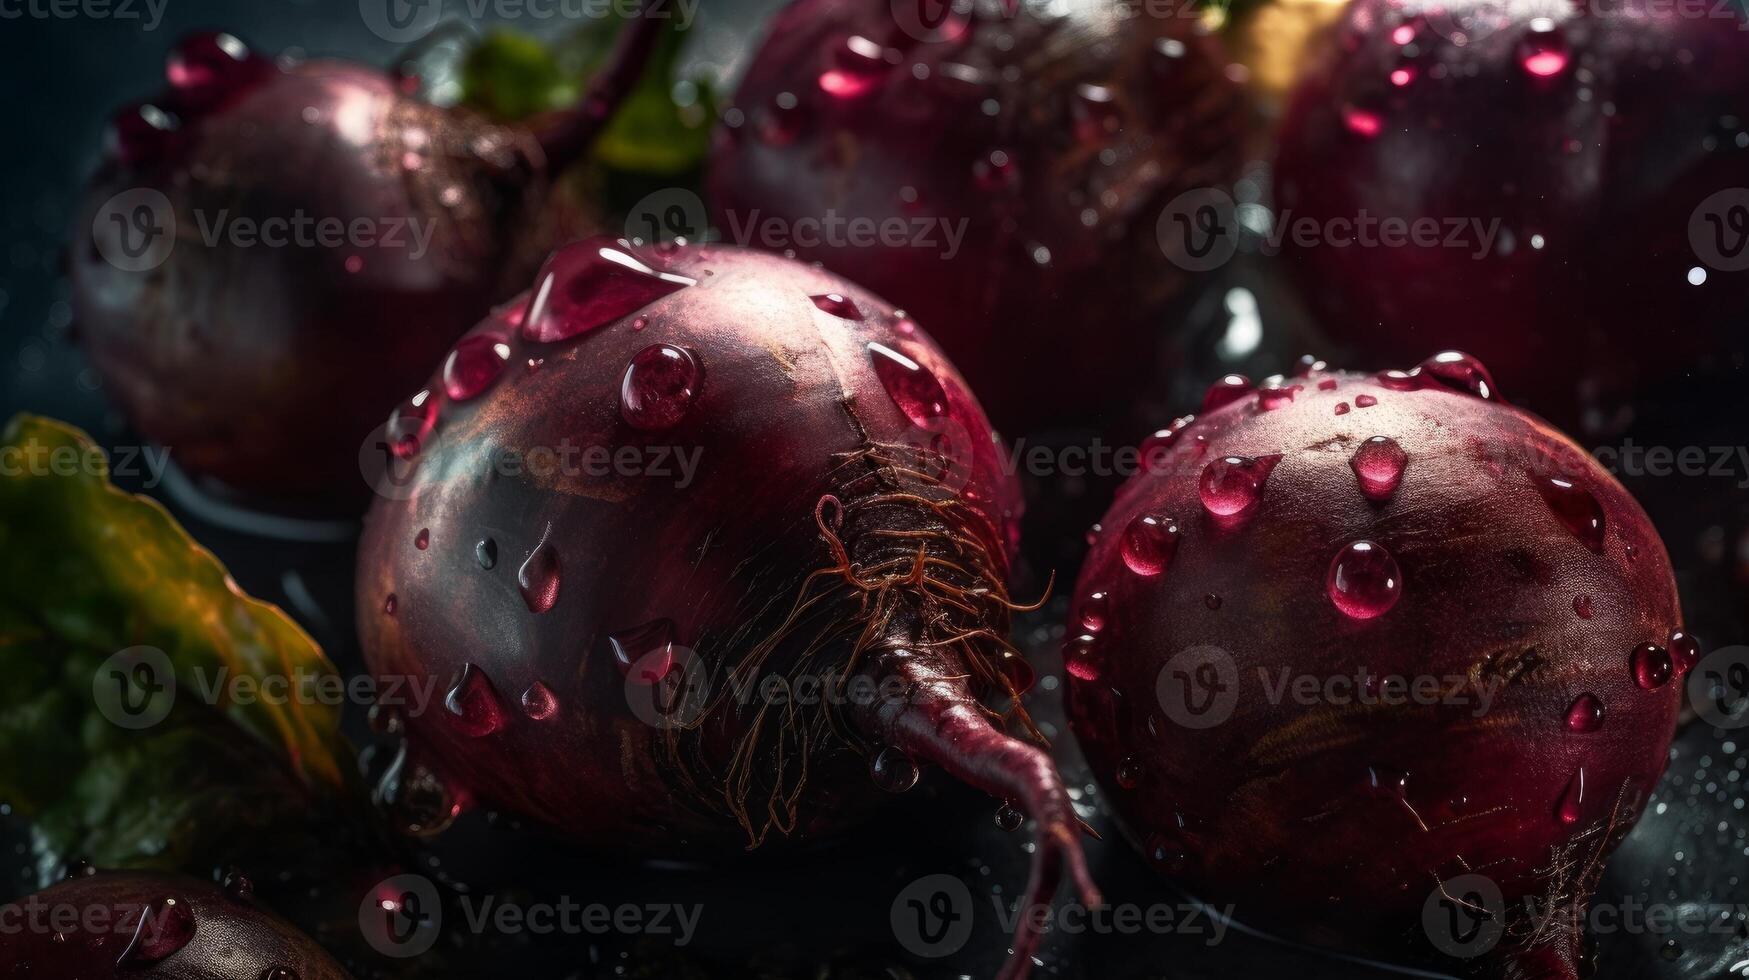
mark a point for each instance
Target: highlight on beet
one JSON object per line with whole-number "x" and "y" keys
{"x": 803, "y": 491}
{"x": 1384, "y": 661}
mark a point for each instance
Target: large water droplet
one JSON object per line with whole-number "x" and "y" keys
{"x": 475, "y": 363}
{"x": 1149, "y": 543}
{"x": 838, "y": 305}
{"x": 1458, "y": 370}
{"x": 659, "y": 386}
{"x": 1378, "y": 466}
{"x": 422, "y": 540}
{"x": 473, "y": 704}
{"x": 1009, "y": 817}
{"x": 204, "y": 68}
{"x": 1081, "y": 657}
{"x": 1582, "y": 606}
{"x": 1364, "y": 581}
{"x": 892, "y": 770}
{"x": 588, "y": 285}
{"x": 538, "y": 578}
{"x": 644, "y": 654}
{"x": 1276, "y": 395}
{"x": 411, "y": 425}
{"x": 1232, "y": 485}
{"x": 1094, "y": 610}
{"x": 539, "y": 702}
{"x": 1575, "y": 507}
{"x": 1651, "y": 666}
{"x": 1684, "y": 652}
{"x": 1585, "y": 714}
{"x": 1226, "y": 391}
{"x": 486, "y": 553}
{"x": 1570, "y": 806}
{"x": 912, "y": 386}
{"x": 165, "y": 926}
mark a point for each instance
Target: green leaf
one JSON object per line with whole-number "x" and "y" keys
{"x": 89, "y": 577}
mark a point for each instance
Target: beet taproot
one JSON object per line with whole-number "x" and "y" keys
{"x": 609, "y": 620}
{"x": 1353, "y": 640}
{"x": 269, "y": 251}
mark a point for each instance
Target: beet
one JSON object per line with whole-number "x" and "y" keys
{"x": 154, "y": 927}
{"x": 604, "y": 629}
{"x": 265, "y": 367}
{"x": 1592, "y": 135}
{"x": 1353, "y": 529}
{"x": 1052, "y": 137}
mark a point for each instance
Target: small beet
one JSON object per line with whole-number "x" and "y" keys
{"x": 154, "y": 927}
{"x": 1050, "y": 136}
{"x": 1535, "y": 621}
{"x": 847, "y": 518}
{"x": 267, "y": 249}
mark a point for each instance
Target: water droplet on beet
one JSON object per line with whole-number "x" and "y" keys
{"x": 165, "y": 926}
{"x": 1226, "y": 391}
{"x": 1582, "y": 606}
{"x": 1212, "y": 601}
{"x": 1081, "y": 657}
{"x": 1232, "y": 485}
{"x": 1651, "y": 666}
{"x": 473, "y": 704}
{"x": 1009, "y": 818}
{"x": 1684, "y": 652}
{"x": 237, "y": 885}
{"x": 411, "y": 425}
{"x": 644, "y": 654}
{"x": 838, "y": 305}
{"x": 588, "y": 285}
{"x": 1148, "y": 543}
{"x": 1129, "y": 773}
{"x": 538, "y": 578}
{"x": 1341, "y": 408}
{"x": 1364, "y": 581}
{"x": 1276, "y": 395}
{"x": 1094, "y": 609}
{"x": 390, "y": 605}
{"x": 1575, "y": 507}
{"x": 1402, "y": 380}
{"x": 473, "y": 365}
{"x": 1327, "y": 384}
{"x": 858, "y": 66}
{"x": 892, "y": 770}
{"x": 203, "y": 69}
{"x": 1585, "y": 714}
{"x": 1569, "y": 807}
{"x": 912, "y": 386}
{"x": 486, "y": 553}
{"x": 1378, "y": 466}
{"x": 422, "y": 540}
{"x": 1543, "y": 52}
{"x": 1458, "y": 370}
{"x": 639, "y": 323}
{"x": 141, "y": 133}
{"x": 539, "y": 702}
{"x": 659, "y": 387}
{"x": 1364, "y": 401}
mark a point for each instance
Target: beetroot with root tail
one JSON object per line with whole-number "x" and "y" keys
{"x": 679, "y": 483}
{"x": 998, "y": 170}
{"x": 151, "y": 926}
{"x": 1364, "y": 654}
{"x": 269, "y": 252}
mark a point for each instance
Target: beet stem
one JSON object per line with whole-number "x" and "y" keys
{"x": 941, "y": 722}
{"x": 566, "y": 136}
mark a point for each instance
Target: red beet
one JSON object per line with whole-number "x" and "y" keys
{"x": 264, "y": 366}
{"x": 154, "y": 927}
{"x": 604, "y": 631}
{"x": 1051, "y": 137}
{"x": 1590, "y": 135}
{"x": 1363, "y": 528}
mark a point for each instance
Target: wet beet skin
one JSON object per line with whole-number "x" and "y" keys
{"x": 1049, "y": 143}
{"x": 1587, "y": 140}
{"x": 1362, "y": 528}
{"x": 606, "y": 626}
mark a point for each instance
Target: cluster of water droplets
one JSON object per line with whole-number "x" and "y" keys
{"x": 203, "y": 71}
